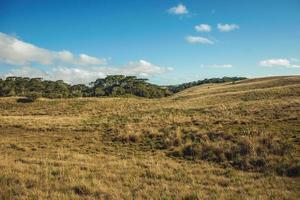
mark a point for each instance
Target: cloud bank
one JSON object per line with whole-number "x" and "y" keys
{"x": 76, "y": 75}
{"x": 17, "y": 52}
{"x": 64, "y": 65}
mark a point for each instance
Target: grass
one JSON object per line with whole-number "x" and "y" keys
{"x": 216, "y": 141}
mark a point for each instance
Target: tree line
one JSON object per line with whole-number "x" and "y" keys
{"x": 112, "y": 85}
{"x": 180, "y": 87}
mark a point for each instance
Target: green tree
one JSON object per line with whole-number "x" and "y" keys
{"x": 99, "y": 92}
{"x": 33, "y": 96}
{"x": 118, "y": 91}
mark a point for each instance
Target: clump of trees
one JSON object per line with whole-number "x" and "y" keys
{"x": 180, "y": 87}
{"x": 119, "y": 85}
{"x": 113, "y": 85}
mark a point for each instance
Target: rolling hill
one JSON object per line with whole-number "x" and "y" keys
{"x": 236, "y": 140}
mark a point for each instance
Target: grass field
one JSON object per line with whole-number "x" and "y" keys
{"x": 215, "y": 141}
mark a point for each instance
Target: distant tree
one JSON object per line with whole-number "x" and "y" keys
{"x": 62, "y": 89}
{"x": 79, "y": 90}
{"x": 36, "y": 85}
{"x": 99, "y": 92}
{"x": 21, "y": 86}
{"x": 128, "y": 83}
{"x": 118, "y": 91}
{"x": 9, "y": 86}
{"x": 180, "y": 87}
{"x": 1, "y": 87}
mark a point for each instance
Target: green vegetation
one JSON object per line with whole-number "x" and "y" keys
{"x": 32, "y": 96}
{"x": 180, "y": 87}
{"x": 213, "y": 141}
{"x": 113, "y": 85}
{"x": 117, "y": 85}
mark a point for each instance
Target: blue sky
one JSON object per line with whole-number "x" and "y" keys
{"x": 167, "y": 41}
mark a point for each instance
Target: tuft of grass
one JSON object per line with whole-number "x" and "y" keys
{"x": 81, "y": 190}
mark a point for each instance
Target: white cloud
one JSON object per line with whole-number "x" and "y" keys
{"x": 218, "y": 66}
{"x": 180, "y": 9}
{"x": 75, "y": 75}
{"x": 203, "y": 28}
{"x": 64, "y": 65}
{"x": 16, "y": 52}
{"x": 198, "y": 40}
{"x": 85, "y": 75}
{"x": 275, "y": 62}
{"x": 227, "y": 27}
{"x": 89, "y": 60}
{"x": 280, "y": 62}
{"x": 66, "y": 56}
{"x": 26, "y": 71}
{"x": 143, "y": 68}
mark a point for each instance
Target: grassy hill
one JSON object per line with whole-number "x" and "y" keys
{"x": 214, "y": 141}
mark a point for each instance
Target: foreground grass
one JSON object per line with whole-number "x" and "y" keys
{"x": 130, "y": 148}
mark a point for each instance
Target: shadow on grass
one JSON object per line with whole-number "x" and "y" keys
{"x": 24, "y": 100}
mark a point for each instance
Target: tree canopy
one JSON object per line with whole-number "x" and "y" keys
{"x": 113, "y": 85}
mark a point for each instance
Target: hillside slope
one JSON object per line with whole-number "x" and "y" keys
{"x": 215, "y": 141}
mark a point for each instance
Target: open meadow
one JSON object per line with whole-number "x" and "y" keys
{"x": 237, "y": 140}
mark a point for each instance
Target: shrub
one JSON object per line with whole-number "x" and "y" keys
{"x": 176, "y": 153}
{"x": 213, "y": 153}
{"x": 259, "y": 163}
{"x": 81, "y": 190}
{"x": 191, "y": 150}
{"x": 33, "y": 96}
{"x": 246, "y": 147}
{"x": 293, "y": 171}
{"x": 193, "y": 196}
{"x": 133, "y": 138}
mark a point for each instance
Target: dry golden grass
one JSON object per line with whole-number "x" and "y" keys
{"x": 123, "y": 148}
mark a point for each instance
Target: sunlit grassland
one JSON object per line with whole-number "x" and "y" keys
{"x": 215, "y": 141}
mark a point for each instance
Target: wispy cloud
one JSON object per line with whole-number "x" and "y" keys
{"x": 218, "y": 66}
{"x": 180, "y": 9}
{"x": 280, "y": 62}
{"x": 64, "y": 65}
{"x": 203, "y": 28}
{"x": 227, "y": 27}
{"x": 198, "y": 40}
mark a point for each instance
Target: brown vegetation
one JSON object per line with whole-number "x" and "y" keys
{"x": 214, "y": 141}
